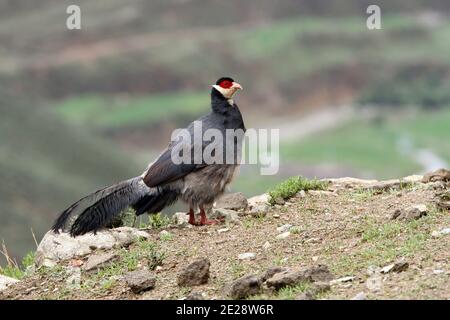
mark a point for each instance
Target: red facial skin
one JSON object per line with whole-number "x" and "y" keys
{"x": 226, "y": 84}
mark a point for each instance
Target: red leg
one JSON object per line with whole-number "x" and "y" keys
{"x": 191, "y": 217}
{"x": 203, "y": 219}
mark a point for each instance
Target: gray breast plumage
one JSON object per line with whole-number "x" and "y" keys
{"x": 198, "y": 193}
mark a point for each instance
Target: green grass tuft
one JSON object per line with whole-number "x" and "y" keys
{"x": 291, "y": 186}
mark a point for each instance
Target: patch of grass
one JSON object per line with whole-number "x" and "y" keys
{"x": 18, "y": 271}
{"x": 289, "y": 293}
{"x": 237, "y": 269}
{"x": 291, "y": 186}
{"x": 158, "y": 221}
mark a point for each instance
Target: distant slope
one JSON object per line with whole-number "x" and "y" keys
{"x": 44, "y": 166}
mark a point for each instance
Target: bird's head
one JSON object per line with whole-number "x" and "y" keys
{"x": 227, "y": 87}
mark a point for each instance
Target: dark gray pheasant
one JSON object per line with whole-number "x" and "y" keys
{"x": 198, "y": 183}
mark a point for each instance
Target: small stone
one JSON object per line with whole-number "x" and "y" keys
{"x": 301, "y": 194}
{"x": 99, "y": 261}
{"x": 269, "y": 273}
{"x": 229, "y": 215}
{"x": 181, "y": 219}
{"x": 438, "y": 271}
{"x": 359, "y": 296}
{"x": 247, "y": 256}
{"x": 232, "y": 201}
{"x": 164, "y": 233}
{"x": 411, "y": 213}
{"x": 223, "y": 230}
{"x": 195, "y": 296}
{"x": 73, "y": 280}
{"x": 284, "y": 228}
{"x": 140, "y": 280}
{"x": 443, "y": 232}
{"x": 307, "y": 295}
{"x": 244, "y": 287}
{"x": 6, "y": 282}
{"x": 276, "y": 216}
{"x": 342, "y": 280}
{"x": 395, "y": 267}
{"x": 266, "y": 245}
{"x": 283, "y": 235}
{"x": 319, "y": 273}
{"x": 315, "y": 258}
{"x": 280, "y": 201}
{"x": 197, "y": 273}
{"x": 374, "y": 283}
{"x": 438, "y": 175}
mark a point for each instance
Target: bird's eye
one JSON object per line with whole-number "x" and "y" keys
{"x": 226, "y": 84}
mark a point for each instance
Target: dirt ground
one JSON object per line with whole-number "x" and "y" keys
{"x": 348, "y": 229}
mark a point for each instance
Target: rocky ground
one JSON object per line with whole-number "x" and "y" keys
{"x": 356, "y": 239}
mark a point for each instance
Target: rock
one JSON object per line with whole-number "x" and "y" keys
{"x": 284, "y": 228}
{"x": 195, "y": 274}
{"x": 6, "y": 282}
{"x": 164, "y": 234}
{"x": 319, "y": 273}
{"x": 140, "y": 280}
{"x": 99, "y": 261}
{"x": 195, "y": 296}
{"x": 320, "y": 286}
{"x": 230, "y": 216}
{"x": 443, "y": 232}
{"x": 269, "y": 273}
{"x": 259, "y": 205}
{"x": 307, "y": 295}
{"x": 56, "y": 247}
{"x": 247, "y": 256}
{"x": 374, "y": 283}
{"x": 73, "y": 281}
{"x": 438, "y": 175}
{"x": 244, "y": 287}
{"x": 276, "y": 216}
{"x": 232, "y": 201}
{"x": 266, "y": 245}
{"x": 259, "y": 210}
{"x": 280, "y": 201}
{"x": 360, "y": 296}
{"x": 342, "y": 280}
{"x": 344, "y": 183}
{"x": 283, "y": 235}
{"x": 223, "y": 230}
{"x": 415, "y": 178}
{"x": 320, "y": 193}
{"x": 395, "y": 267}
{"x": 411, "y": 213}
{"x": 301, "y": 194}
{"x": 181, "y": 219}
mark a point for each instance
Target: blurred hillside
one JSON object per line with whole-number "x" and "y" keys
{"x": 82, "y": 109}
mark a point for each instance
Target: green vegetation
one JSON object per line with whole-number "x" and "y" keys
{"x": 16, "y": 271}
{"x": 291, "y": 186}
{"x": 124, "y": 111}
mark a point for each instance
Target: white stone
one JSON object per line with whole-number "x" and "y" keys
{"x": 360, "y": 296}
{"x": 284, "y": 228}
{"x": 6, "y": 281}
{"x": 284, "y": 235}
{"x": 266, "y": 245}
{"x": 56, "y": 247}
{"x": 342, "y": 280}
{"x": 223, "y": 230}
{"x": 247, "y": 256}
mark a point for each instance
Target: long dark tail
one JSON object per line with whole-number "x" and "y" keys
{"x": 98, "y": 209}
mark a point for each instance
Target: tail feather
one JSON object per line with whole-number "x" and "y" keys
{"x": 154, "y": 203}
{"x": 99, "y": 208}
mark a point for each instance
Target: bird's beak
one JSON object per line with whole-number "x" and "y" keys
{"x": 236, "y": 86}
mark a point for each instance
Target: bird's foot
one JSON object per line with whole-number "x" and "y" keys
{"x": 207, "y": 222}
{"x": 192, "y": 218}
